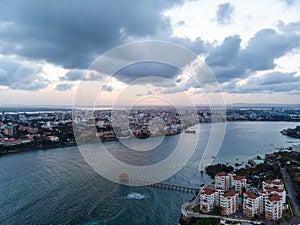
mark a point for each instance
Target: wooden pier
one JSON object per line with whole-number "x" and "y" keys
{"x": 125, "y": 179}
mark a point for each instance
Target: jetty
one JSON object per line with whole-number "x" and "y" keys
{"x": 126, "y": 180}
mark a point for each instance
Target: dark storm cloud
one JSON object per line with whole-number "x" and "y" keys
{"x": 72, "y": 33}
{"x": 224, "y": 13}
{"x": 138, "y": 71}
{"x": 16, "y": 75}
{"x": 229, "y": 60}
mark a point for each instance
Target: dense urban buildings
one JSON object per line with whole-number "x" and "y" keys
{"x": 49, "y": 127}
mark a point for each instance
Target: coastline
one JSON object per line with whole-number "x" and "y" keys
{"x": 73, "y": 143}
{"x": 60, "y": 145}
{"x": 40, "y": 148}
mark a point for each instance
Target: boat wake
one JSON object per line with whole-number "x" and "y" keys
{"x": 135, "y": 195}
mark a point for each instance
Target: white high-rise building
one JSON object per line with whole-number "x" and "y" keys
{"x": 251, "y": 204}
{"x": 273, "y": 207}
{"x": 207, "y": 200}
{"x": 238, "y": 183}
{"x": 222, "y": 180}
{"x": 229, "y": 203}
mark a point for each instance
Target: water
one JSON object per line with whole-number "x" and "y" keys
{"x": 58, "y": 187}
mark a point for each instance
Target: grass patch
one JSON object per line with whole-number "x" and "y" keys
{"x": 205, "y": 221}
{"x": 197, "y": 209}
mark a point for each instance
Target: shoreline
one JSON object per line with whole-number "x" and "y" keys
{"x": 71, "y": 144}
{"x": 42, "y": 148}
{"x": 63, "y": 145}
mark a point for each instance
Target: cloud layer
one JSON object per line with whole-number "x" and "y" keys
{"x": 21, "y": 76}
{"x": 229, "y": 60}
{"x": 71, "y": 34}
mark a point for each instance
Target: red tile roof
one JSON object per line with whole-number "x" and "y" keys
{"x": 251, "y": 195}
{"x": 230, "y": 193}
{"x": 208, "y": 191}
{"x": 273, "y": 182}
{"x": 221, "y": 174}
{"x": 275, "y": 197}
{"x": 239, "y": 178}
{"x": 271, "y": 189}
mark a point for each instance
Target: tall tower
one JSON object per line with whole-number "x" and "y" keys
{"x": 3, "y": 116}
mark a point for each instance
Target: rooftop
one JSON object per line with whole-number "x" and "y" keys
{"x": 274, "y": 197}
{"x": 230, "y": 193}
{"x": 239, "y": 178}
{"x": 208, "y": 191}
{"x": 251, "y": 195}
{"x": 221, "y": 174}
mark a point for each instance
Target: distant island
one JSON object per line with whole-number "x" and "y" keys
{"x": 292, "y": 132}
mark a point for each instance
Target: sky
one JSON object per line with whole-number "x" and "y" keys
{"x": 252, "y": 48}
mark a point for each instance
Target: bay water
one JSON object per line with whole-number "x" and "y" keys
{"x": 57, "y": 186}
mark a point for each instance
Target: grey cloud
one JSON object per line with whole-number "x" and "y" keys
{"x": 198, "y": 46}
{"x": 229, "y": 61}
{"x": 143, "y": 69}
{"x": 224, "y": 13}
{"x": 73, "y": 33}
{"x": 63, "y": 87}
{"x": 267, "y": 83}
{"x": 146, "y": 69}
{"x": 107, "y": 88}
{"x": 266, "y": 46}
{"x": 20, "y": 76}
{"x": 288, "y": 2}
{"x": 279, "y": 78}
{"x": 226, "y": 53}
{"x": 73, "y": 75}
{"x": 293, "y": 27}
{"x": 79, "y": 75}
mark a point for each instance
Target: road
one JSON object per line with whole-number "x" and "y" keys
{"x": 291, "y": 192}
